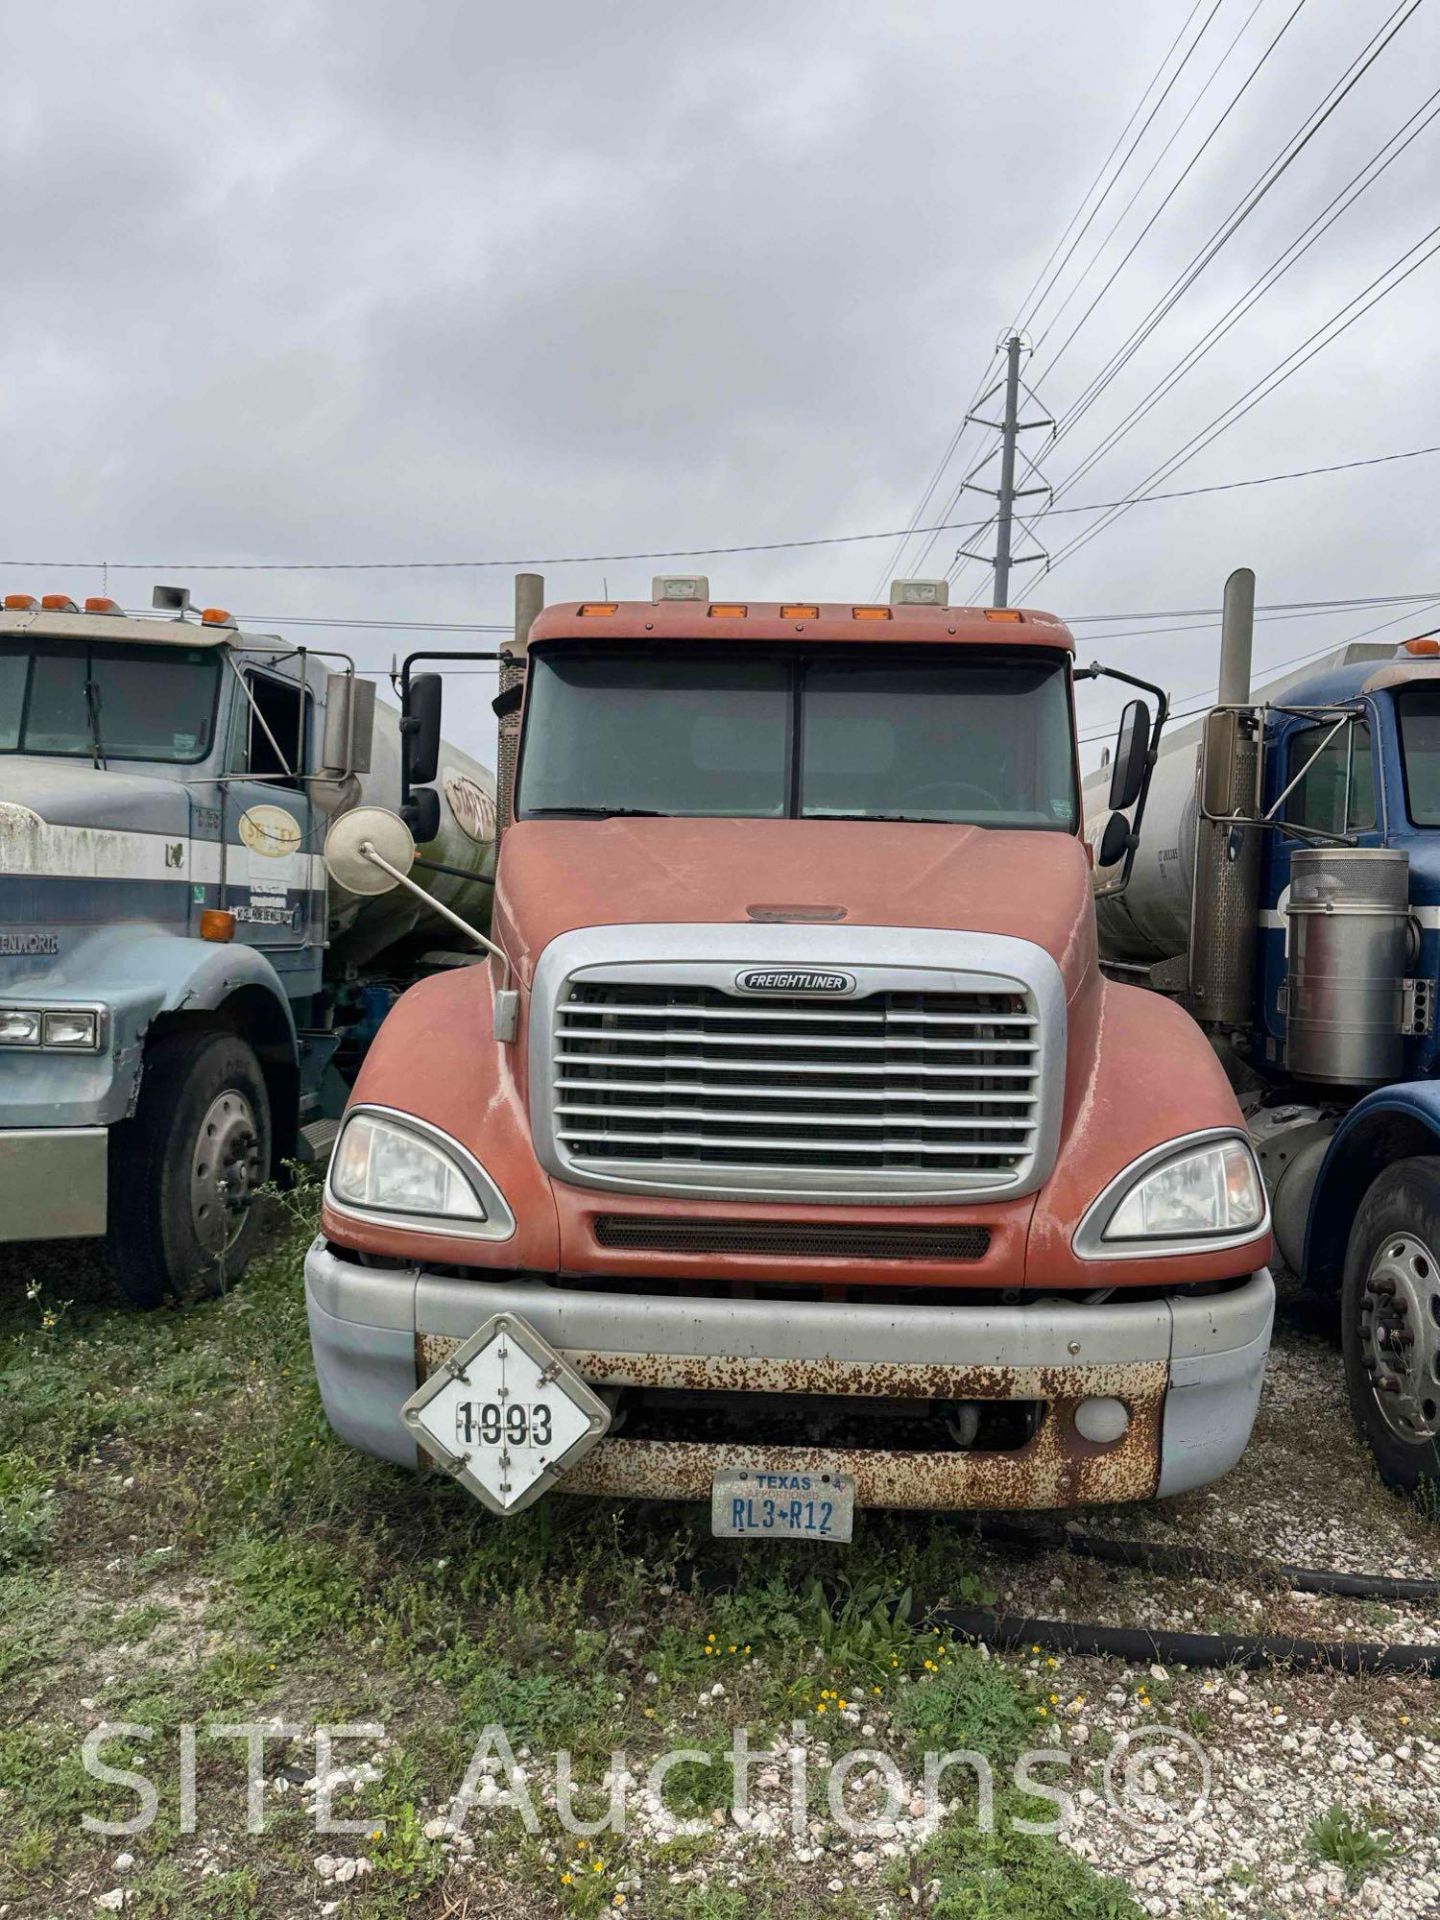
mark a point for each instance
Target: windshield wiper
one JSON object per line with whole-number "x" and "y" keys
{"x": 596, "y": 813}
{"x": 922, "y": 819}
{"x": 92, "y": 707}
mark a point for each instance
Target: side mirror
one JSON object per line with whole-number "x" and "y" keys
{"x": 1114, "y": 842}
{"x": 421, "y": 814}
{"x": 420, "y": 729}
{"x": 377, "y": 827}
{"x": 1132, "y": 752}
{"x": 349, "y": 723}
{"x": 1220, "y": 770}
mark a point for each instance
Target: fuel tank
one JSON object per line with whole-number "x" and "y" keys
{"x": 360, "y": 930}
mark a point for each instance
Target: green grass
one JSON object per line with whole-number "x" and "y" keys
{"x": 182, "y": 1540}
{"x": 1349, "y": 1843}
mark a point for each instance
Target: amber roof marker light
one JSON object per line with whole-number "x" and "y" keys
{"x": 728, "y": 610}
{"x": 870, "y": 613}
{"x": 1011, "y": 614}
{"x": 596, "y": 609}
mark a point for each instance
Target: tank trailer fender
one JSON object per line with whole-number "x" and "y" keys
{"x": 1396, "y": 1122}
{"x": 151, "y": 982}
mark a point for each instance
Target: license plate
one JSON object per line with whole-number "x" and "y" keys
{"x": 792, "y": 1506}
{"x": 506, "y": 1414}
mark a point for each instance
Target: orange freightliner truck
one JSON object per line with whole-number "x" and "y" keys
{"x": 785, "y": 1147}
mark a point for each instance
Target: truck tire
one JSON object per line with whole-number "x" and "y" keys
{"x": 185, "y": 1170}
{"x": 1390, "y": 1322}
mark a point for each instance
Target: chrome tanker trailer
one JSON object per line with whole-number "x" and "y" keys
{"x": 184, "y": 996}
{"x": 1281, "y": 878}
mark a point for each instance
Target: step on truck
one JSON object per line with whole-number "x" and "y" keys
{"x": 1281, "y": 879}
{"x": 184, "y": 995}
{"x": 789, "y": 1151}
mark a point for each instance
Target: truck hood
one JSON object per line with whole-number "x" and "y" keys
{"x": 70, "y": 794}
{"x": 556, "y": 875}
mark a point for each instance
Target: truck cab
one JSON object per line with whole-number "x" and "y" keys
{"x": 171, "y": 998}
{"x": 791, "y": 1122}
{"x": 1286, "y": 888}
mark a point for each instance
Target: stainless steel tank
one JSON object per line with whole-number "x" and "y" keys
{"x": 360, "y": 929}
{"x": 1151, "y": 920}
{"x": 1348, "y": 916}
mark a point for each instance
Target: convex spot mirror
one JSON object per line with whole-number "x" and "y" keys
{"x": 1132, "y": 751}
{"x": 1114, "y": 842}
{"x": 422, "y": 815}
{"x": 377, "y": 827}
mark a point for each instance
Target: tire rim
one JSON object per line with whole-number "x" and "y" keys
{"x": 1400, "y": 1336}
{"x": 224, "y": 1172}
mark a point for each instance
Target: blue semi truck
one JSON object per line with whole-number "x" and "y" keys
{"x": 184, "y": 994}
{"x": 1281, "y": 877}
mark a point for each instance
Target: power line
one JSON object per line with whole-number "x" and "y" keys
{"x": 1175, "y": 186}
{"x": 1289, "y": 152}
{"x": 1266, "y": 385}
{"x": 1129, "y": 155}
{"x": 1354, "y": 188}
{"x": 697, "y": 553}
{"x": 1203, "y": 700}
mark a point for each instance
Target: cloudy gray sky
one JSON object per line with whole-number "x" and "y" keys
{"x": 447, "y": 280}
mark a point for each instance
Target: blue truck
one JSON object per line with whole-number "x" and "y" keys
{"x": 1281, "y": 878}
{"x": 184, "y": 995}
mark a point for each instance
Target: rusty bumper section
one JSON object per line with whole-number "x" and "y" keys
{"x": 696, "y": 1378}
{"x": 1055, "y": 1467}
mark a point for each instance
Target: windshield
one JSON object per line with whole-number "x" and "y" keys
{"x": 1419, "y": 709}
{"x": 943, "y": 733}
{"x": 107, "y": 702}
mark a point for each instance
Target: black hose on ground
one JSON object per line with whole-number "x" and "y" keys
{"x": 1143, "y": 1645}
{"x": 1202, "y": 1563}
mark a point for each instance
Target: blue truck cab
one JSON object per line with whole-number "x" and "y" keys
{"x": 1298, "y": 918}
{"x": 183, "y": 996}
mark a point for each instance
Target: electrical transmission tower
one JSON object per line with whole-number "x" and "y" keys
{"x": 1007, "y": 493}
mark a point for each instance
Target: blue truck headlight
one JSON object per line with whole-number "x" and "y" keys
{"x": 392, "y": 1167}
{"x": 1188, "y": 1196}
{"x": 75, "y": 1029}
{"x": 19, "y": 1026}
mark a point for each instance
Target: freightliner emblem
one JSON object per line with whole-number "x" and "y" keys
{"x": 824, "y": 981}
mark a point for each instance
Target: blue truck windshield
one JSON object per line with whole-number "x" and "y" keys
{"x": 1419, "y": 709}
{"x": 108, "y": 702}
{"x": 949, "y": 734}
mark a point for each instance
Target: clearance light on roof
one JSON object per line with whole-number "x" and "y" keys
{"x": 1425, "y": 645}
{"x": 57, "y": 603}
{"x": 216, "y": 617}
{"x": 919, "y": 593}
{"x": 870, "y": 613}
{"x": 680, "y": 586}
{"x": 799, "y": 613}
{"x": 1002, "y": 613}
{"x": 721, "y": 611}
{"x": 20, "y": 603}
{"x": 593, "y": 607}
{"x": 97, "y": 603}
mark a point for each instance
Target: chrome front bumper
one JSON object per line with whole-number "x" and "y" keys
{"x": 53, "y": 1182}
{"x": 1188, "y": 1370}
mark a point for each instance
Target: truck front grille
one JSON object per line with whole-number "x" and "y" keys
{"x": 871, "y": 1090}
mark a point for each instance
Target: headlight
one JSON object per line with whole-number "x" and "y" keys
{"x": 408, "y": 1172}
{"x": 80, "y": 1028}
{"x": 74, "y": 1028}
{"x": 19, "y": 1027}
{"x": 1190, "y": 1198}
{"x": 378, "y": 1164}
